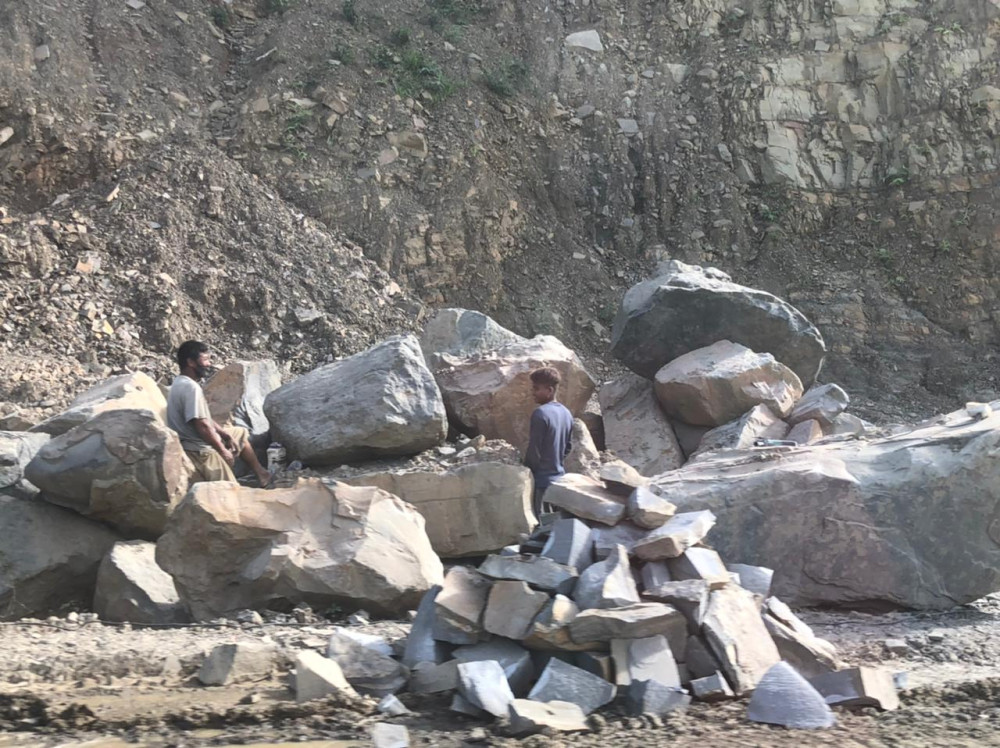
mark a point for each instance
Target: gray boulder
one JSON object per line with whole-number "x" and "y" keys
{"x": 689, "y": 307}
{"x": 123, "y": 467}
{"x": 131, "y": 587}
{"x": 134, "y": 391}
{"x": 822, "y": 403}
{"x": 759, "y": 422}
{"x": 461, "y": 332}
{"x": 16, "y": 450}
{"x": 53, "y": 563}
{"x": 379, "y": 403}
{"x": 635, "y": 427}
{"x": 904, "y": 521}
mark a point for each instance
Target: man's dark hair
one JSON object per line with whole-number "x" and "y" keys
{"x": 190, "y": 349}
{"x": 547, "y": 376}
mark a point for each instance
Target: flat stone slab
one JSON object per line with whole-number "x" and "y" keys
{"x": 385, "y": 735}
{"x": 648, "y": 659}
{"x": 586, "y": 498}
{"x": 511, "y": 608}
{"x": 702, "y": 564}
{"x": 629, "y": 622}
{"x": 738, "y": 638}
{"x": 783, "y": 697}
{"x": 712, "y": 688}
{"x": 560, "y": 681}
{"x": 528, "y": 717}
{"x": 538, "y": 571}
{"x": 229, "y": 663}
{"x": 652, "y": 697}
{"x": 690, "y": 596}
{"x": 756, "y": 579}
{"x": 677, "y": 535}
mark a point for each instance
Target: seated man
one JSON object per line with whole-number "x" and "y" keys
{"x": 550, "y": 435}
{"x": 211, "y": 447}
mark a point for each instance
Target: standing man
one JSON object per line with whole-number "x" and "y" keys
{"x": 551, "y": 433}
{"x": 212, "y": 448}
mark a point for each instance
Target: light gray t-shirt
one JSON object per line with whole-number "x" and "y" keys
{"x": 185, "y": 402}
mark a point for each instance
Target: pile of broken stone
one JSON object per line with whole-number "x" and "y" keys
{"x": 616, "y": 592}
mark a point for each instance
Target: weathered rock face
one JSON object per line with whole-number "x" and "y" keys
{"x": 469, "y": 510}
{"x": 316, "y": 542}
{"x": 378, "y": 403}
{"x": 712, "y": 386}
{"x": 136, "y": 391}
{"x": 689, "y": 307}
{"x": 906, "y": 521}
{"x": 490, "y": 393}
{"x": 131, "y": 587}
{"x": 461, "y": 332}
{"x": 236, "y": 394}
{"x": 54, "y": 562}
{"x": 759, "y": 422}
{"x": 636, "y": 428}
{"x": 123, "y": 467}
{"x": 16, "y": 450}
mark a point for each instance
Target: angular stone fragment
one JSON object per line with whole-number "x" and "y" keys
{"x": 317, "y": 676}
{"x": 648, "y": 510}
{"x": 470, "y": 509}
{"x": 484, "y": 685}
{"x": 689, "y": 307}
{"x": 528, "y": 717}
{"x": 319, "y": 542}
{"x": 797, "y": 645}
{"x": 564, "y": 682}
{"x": 821, "y": 403}
{"x": 647, "y": 659}
{"x": 607, "y": 539}
{"x": 583, "y": 456}
{"x": 699, "y": 661}
{"x": 599, "y": 663}
{"x": 421, "y": 646}
{"x": 511, "y": 609}
{"x": 630, "y": 622}
{"x": 512, "y": 657}
{"x": 462, "y": 705}
{"x": 759, "y": 422}
{"x": 858, "y": 686}
{"x": 367, "y": 671}
{"x": 538, "y": 571}
{"x": 54, "y": 564}
{"x": 678, "y": 534}
{"x": 17, "y": 448}
{"x": 738, "y": 638}
{"x": 607, "y": 584}
{"x": 714, "y": 385}
{"x": 570, "y": 544}
{"x": 849, "y": 424}
{"x": 426, "y": 677}
{"x": 461, "y": 332}
{"x": 550, "y": 629}
{"x": 489, "y": 393}
{"x": 653, "y": 574}
{"x": 459, "y": 606}
{"x": 621, "y": 478}
{"x": 131, "y": 587}
{"x": 783, "y": 697}
{"x": 689, "y": 596}
{"x": 653, "y": 697}
{"x": 381, "y": 402}
{"x": 589, "y": 40}
{"x": 385, "y": 735}
{"x": 699, "y": 563}
{"x": 122, "y": 467}
{"x": 804, "y": 433}
{"x": 586, "y": 498}
{"x": 135, "y": 391}
{"x": 230, "y": 663}
{"x": 635, "y": 427}
{"x": 711, "y": 688}
{"x": 757, "y": 579}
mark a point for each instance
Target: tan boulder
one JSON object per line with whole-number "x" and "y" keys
{"x": 229, "y": 547}
{"x": 122, "y": 467}
{"x": 469, "y": 510}
{"x": 489, "y": 393}
{"x": 583, "y": 456}
{"x": 236, "y": 393}
{"x": 714, "y": 385}
{"x": 635, "y": 427}
{"x": 135, "y": 391}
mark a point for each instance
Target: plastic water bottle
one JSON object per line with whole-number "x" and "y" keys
{"x": 774, "y": 443}
{"x": 276, "y": 455}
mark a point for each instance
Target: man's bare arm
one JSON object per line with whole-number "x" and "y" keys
{"x": 207, "y": 431}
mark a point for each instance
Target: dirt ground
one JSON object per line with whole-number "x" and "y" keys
{"x": 68, "y": 684}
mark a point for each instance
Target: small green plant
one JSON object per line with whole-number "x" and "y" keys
{"x": 507, "y": 78}
{"x": 276, "y": 6}
{"x": 898, "y": 178}
{"x": 220, "y": 16}
{"x": 342, "y": 53}
{"x": 349, "y": 8}
{"x": 296, "y": 120}
{"x": 884, "y": 257}
{"x": 400, "y": 37}
{"x": 457, "y": 12}
{"x": 452, "y": 34}
{"x": 768, "y": 214}
{"x": 421, "y": 73}
{"x": 952, "y": 28}
{"x": 382, "y": 57}
{"x": 944, "y": 247}
{"x": 963, "y": 217}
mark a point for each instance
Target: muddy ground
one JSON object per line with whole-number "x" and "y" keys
{"x": 70, "y": 684}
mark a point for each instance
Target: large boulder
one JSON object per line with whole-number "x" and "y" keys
{"x": 469, "y": 510}
{"x": 235, "y": 396}
{"x": 490, "y": 393}
{"x": 906, "y": 521}
{"x": 378, "y": 403}
{"x": 229, "y": 548}
{"x": 131, "y": 587}
{"x": 17, "y": 448}
{"x": 688, "y": 307}
{"x": 714, "y": 385}
{"x": 461, "y": 332}
{"x": 135, "y": 391}
{"x": 123, "y": 467}
{"x": 636, "y": 428}
{"x": 48, "y": 559}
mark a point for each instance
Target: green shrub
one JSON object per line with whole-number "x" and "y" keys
{"x": 507, "y": 78}
{"x": 350, "y": 10}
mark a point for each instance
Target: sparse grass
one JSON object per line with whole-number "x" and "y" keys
{"x": 220, "y": 16}
{"x": 898, "y": 178}
{"x": 952, "y": 28}
{"x": 452, "y": 34}
{"x": 507, "y": 78}
{"x": 884, "y": 257}
{"x": 400, "y": 37}
{"x": 349, "y": 8}
{"x": 297, "y": 120}
{"x": 944, "y": 247}
{"x": 382, "y": 57}
{"x": 342, "y": 52}
{"x": 455, "y": 12}
{"x": 419, "y": 73}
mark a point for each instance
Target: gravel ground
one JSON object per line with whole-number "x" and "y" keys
{"x": 62, "y": 683}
